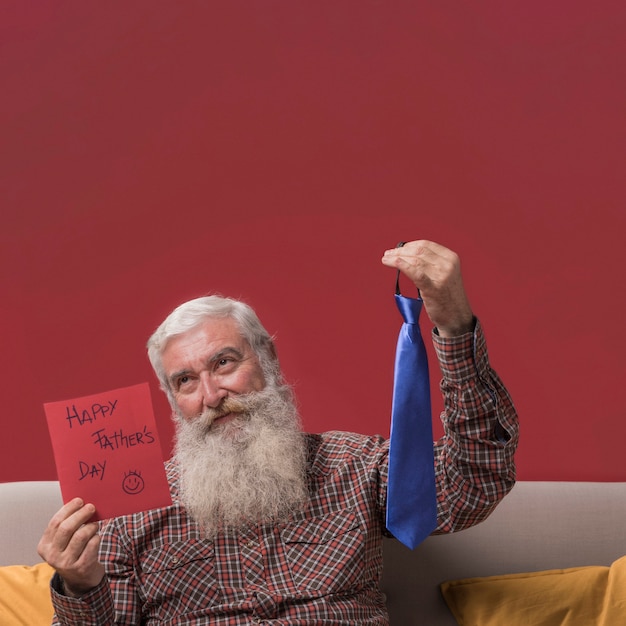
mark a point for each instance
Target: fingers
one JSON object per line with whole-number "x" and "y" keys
{"x": 64, "y": 525}
{"x": 426, "y": 263}
{"x": 70, "y": 545}
{"x": 436, "y": 272}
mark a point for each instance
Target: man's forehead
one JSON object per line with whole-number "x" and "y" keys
{"x": 211, "y": 335}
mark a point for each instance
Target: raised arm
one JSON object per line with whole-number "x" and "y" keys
{"x": 474, "y": 460}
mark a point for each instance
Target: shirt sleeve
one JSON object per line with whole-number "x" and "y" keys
{"x": 474, "y": 460}
{"x": 94, "y": 608}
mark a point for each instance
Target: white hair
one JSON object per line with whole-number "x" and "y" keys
{"x": 191, "y": 314}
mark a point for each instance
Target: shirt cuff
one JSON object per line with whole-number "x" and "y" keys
{"x": 462, "y": 358}
{"x": 90, "y": 609}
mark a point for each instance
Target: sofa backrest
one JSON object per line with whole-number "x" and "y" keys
{"x": 539, "y": 525}
{"x": 25, "y": 510}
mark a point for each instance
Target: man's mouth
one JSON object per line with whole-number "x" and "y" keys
{"x": 223, "y": 419}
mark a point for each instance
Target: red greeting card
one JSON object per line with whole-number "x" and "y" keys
{"x": 107, "y": 451}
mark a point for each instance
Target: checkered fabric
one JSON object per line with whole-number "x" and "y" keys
{"x": 323, "y": 566}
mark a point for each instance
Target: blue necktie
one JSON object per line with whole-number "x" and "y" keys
{"x": 411, "y": 492}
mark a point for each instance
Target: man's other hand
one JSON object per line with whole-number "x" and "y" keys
{"x": 436, "y": 272}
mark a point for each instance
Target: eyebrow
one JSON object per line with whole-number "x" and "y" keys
{"x": 227, "y": 351}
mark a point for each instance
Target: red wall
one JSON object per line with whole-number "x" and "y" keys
{"x": 154, "y": 151}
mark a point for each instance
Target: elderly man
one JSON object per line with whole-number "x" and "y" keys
{"x": 269, "y": 524}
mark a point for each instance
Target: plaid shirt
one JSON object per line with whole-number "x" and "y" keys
{"x": 323, "y": 566}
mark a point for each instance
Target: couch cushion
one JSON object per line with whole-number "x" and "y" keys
{"x": 25, "y": 598}
{"x": 576, "y": 596}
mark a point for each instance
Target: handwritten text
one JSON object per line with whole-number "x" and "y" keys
{"x": 89, "y": 470}
{"x": 118, "y": 439}
{"x": 91, "y": 414}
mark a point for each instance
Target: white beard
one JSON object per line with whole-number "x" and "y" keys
{"x": 248, "y": 470}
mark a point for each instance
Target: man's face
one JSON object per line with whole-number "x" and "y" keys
{"x": 234, "y": 429}
{"x": 208, "y": 364}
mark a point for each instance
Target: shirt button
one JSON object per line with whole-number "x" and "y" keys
{"x": 174, "y": 560}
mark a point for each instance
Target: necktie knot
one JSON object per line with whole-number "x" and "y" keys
{"x": 410, "y": 308}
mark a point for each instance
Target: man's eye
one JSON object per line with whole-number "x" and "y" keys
{"x": 224, "y": 362}
{"x": 182, "y": 381}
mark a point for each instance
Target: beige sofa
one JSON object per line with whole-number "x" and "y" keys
{"x": 539, "y": 525}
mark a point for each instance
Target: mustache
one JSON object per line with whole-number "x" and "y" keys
{"x": 239, "y": 405}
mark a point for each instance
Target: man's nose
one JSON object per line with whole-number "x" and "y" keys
{"x": 212, "y": 392}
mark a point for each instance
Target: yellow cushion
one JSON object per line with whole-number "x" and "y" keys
{"x": 25, "y": 595}
{"x": 579, "y": 596}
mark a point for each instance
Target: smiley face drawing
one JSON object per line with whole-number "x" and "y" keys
{"x": 133, "y": 483}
